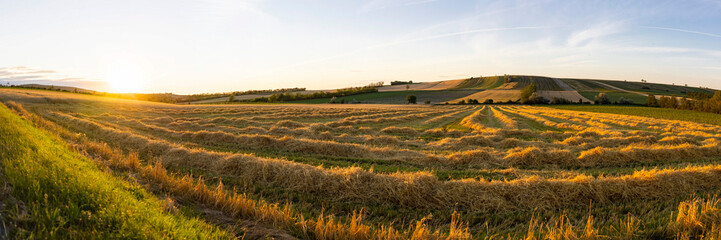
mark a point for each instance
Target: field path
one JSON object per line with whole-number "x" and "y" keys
{"x": 619, "y": 89}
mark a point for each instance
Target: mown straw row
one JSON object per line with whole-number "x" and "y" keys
{"x": 505, "y": 120}
{"x": 426, "y": 191}
{"x": 238, "y": 205}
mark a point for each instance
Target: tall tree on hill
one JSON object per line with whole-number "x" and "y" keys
{"x": 527, "y": 92}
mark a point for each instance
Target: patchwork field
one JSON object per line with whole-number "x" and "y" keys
{"x": 495, "y": 95}
{"x": 425, "y": 86}
{"x": 396, "y": 171}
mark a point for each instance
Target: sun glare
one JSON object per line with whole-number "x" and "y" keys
{"x": 124, "y": 76}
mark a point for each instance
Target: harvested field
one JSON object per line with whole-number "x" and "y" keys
{"x": 572, "y": 96}
{"x": 496, "y": 95}
{"x": 367, "y": 171}
{"x": 424, "y": 86}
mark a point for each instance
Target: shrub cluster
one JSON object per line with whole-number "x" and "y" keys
{"x": 700, "y": 102}
{"x": 284, "y": 97}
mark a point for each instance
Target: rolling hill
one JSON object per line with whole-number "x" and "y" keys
{"x": 497, "y": 88}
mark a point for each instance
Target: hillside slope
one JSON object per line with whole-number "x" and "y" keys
{"x": 57, "y": 193}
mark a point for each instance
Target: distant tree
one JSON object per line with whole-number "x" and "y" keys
{"x": 527, "y": 92}
{"x": 462, "y": 101}
{"x": 231, "y": 98}
{"x": 408, "y": 87}
{"x": 625, "y": 101}
{"x": 411, "y": 98}
{"x": 536, "y": 99}
{"x": 601, "y": 98}
{"x": 580, "y": 101}
{"x": 488, "y": 101}
{"x": 651, "y": 101}
{"x": 428, "y": 101}
{"x": 332, "y": 100}
{"x": 668, "y": 102}
{"x": 716, "y": 96}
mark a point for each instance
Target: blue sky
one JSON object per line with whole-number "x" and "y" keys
{"x": 217, "y": 45}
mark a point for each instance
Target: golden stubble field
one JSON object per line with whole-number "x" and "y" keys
{"x": 396, "y": 171}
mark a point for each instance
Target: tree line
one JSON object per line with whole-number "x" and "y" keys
{"x": 285, "y": 97}
{"x": 703, "y": 102}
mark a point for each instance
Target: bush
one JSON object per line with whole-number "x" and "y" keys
{"x": 428, "y": 101}
{"x": 651, "y": 101}
{"x": 393, "y": 83}
{"x": 536, "y": 99}
{"x": 668, "y": 102}
{"x": 558, "y": 100}
{"x": 601, "y": 98}
{"x": 625, "y": 101}
{"x": 488, "y": 101}
{"x": 411, "y": 99}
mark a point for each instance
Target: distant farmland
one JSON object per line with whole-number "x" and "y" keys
{"x": 365, "y": 171}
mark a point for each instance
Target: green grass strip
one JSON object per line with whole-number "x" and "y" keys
{"x": 66, "y": 196}
{"x": 662, "y": 113}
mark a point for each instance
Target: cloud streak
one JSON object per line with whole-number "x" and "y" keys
{"x": 685, "y": 31}
{"x": 584, "y": 36}
{"x": 24, "y": 75}
{"x": 417, "y": 39}
{"x": 384, "y": 4}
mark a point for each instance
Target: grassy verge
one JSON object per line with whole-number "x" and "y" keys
{"x": 61, "y": 194}
{"x": 662, "y": 113}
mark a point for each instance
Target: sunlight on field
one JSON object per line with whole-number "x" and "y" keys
{"x": 378, "y": 172}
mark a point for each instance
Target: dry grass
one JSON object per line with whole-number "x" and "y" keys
{"x": 552, "y": 166}
{"x": 507, "y": 121}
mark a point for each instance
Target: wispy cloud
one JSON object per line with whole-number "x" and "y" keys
{"x": 685, "y": 31}
{"x": 383, "y": 4}
{"x": 25, "y": 75}
{"x": 417, "y": 39}
{"x": 669, "y": 50}
{"x": 590, "y": 34}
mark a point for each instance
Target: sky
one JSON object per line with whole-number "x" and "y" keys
{"x": 219, "y": 46}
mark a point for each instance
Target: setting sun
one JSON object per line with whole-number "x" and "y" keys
{"x": 124, "y": 76}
